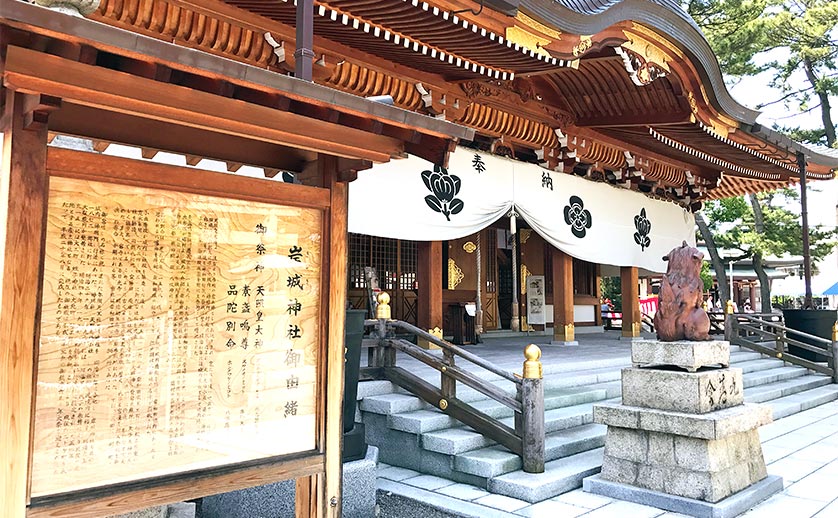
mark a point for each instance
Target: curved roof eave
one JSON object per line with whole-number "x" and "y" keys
{"x": 818, "y": 154}
{"x": 665, "y": 16}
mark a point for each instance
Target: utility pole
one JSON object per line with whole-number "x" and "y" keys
{"x": 807, "y": 255}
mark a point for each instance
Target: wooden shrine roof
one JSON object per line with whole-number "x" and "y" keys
{"x": 411, "y": 31}
{"x": 175, "y": 98}
{"x": 682, "y": 124}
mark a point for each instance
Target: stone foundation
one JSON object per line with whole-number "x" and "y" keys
{"x": 686, "y": 434}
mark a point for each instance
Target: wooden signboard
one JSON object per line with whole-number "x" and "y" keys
{"x": 179, "y": 332}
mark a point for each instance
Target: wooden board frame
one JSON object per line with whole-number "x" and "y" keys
{"x": 315, "y": 470}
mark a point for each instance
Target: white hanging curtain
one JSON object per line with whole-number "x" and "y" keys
{"x": 593, "y": 221}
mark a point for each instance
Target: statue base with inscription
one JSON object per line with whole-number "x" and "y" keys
{"x": 683, "y": 439}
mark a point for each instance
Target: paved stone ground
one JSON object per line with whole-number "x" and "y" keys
{"x": 802, "y": 448}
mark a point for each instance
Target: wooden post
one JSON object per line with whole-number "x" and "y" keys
{"x": 729, "y": 320}
{"x": 331, "y": 490}
{"x": 448, "y": 385}
{"x": 780, "y": 342}
{"x": 631, "y": 301}
{"x": 532, "y": 403}
{"x": 429, "y": 275}
{"x": 563, "y": 331}
{"x": 23, "y": 197}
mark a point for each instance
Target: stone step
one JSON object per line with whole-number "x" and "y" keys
{"x": 744, "y": 356}
{"x": 757, "y": 365}
{"x": 763, "y": 393}
{"x": 496, "y": 460}
{"x": 789, "y": 405}
{"x": 753, "y": 379}
{"x": 452, "y": 441}
{"x": 565, "y": 408}
{"x": 560, "y": 476}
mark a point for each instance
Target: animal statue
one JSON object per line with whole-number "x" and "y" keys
{"x": 680, "y": 315}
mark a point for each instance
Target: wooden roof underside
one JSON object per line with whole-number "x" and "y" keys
{"x": 403, "y": 47}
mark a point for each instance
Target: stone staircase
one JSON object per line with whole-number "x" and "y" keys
{"x": 413, "y": 435}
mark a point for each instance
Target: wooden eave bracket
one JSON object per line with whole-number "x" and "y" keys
{"x": 37, "y": 108}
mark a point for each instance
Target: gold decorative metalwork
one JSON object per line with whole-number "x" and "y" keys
{"x": 436, "y": 331}
{"x": 523, "y": 279}
{"x": 540, "y": 27}
{"x": 585, "y": 43}
{"x": 532, "y": 365}
{"x": 528, "y": 40}
{"x": 469, "y": 247}
{"x": 455, "y": 275}
{"x": 729, "y": 307}
{"x": 524, "y": 235}
{"x": 443, "y": 404}
{"x": 382, "y": 310}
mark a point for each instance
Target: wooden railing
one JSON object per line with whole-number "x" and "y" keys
{"x": 753, "y": 330}
{"x": 717, "y": 322}
{"x": 525, "y": 439}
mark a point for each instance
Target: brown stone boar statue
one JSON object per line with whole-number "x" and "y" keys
{"x": 680, "y": 315}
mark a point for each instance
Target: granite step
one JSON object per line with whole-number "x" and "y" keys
{"x": 560, "y": 476}
{"x": 795, "y": 403}
{"x": 771, "y": 391}
{"x": 496, "y": 460}
{"x": 744, "y": 356}
{"x": 753, "y": 379}
{"x": 757, "y": 365}
{"x": 452, "y": 441}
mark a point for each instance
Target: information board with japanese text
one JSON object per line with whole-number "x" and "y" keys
{"x": 178, "y": 332}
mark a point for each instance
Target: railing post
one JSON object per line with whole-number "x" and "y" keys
{"x": 780, "y": 344}
{"x": 387, "y": 355}
{"x": 833, "y": 361}
{"x": 447, "y": 384}
{"x": 729, "y": 321}
{"x": 532, "y": 403}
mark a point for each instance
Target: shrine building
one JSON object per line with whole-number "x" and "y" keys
{"x": 509, "y": 153}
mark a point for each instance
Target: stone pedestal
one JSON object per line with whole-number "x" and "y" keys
{"x": 683, "y": 439}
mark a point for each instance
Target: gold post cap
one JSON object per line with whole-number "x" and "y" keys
{"x": 382, "y": 311}
{"x": 729, "y": 307}
{"x": 532, "y": 365}
{"x": 835, "y": 332}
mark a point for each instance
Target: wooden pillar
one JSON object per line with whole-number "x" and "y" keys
{"x": 23, "y": 198}
{"x": 631, "y": 301}
{"x": 321, "y": 495}
{"x": 753, "y": 297}
{"x": 429, "y": 275}
{"x": 563, "y": 330}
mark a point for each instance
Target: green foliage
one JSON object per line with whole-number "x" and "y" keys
{"x": 705, "y": 276}
{"x": 805, "y": 34}
{"x": 613, "y": 290}
{"x": 731, "y": 221}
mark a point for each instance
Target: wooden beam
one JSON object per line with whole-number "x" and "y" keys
{"x": 23, "y": 198}
{"x": 181, "y": 488}
{"x": 631, "y": 301}
{"x": 100, "y": 145}
{"x": 74, "y": 119}
{"x": 31, "y": 71}
{"x": 429, "y": 276}
{"x": 563, "y": 327}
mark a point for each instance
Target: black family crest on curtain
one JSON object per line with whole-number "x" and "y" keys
{"x": 444, "y": 187}
{"x": 577, "y": 216}
{"x": 643, "y": 226}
